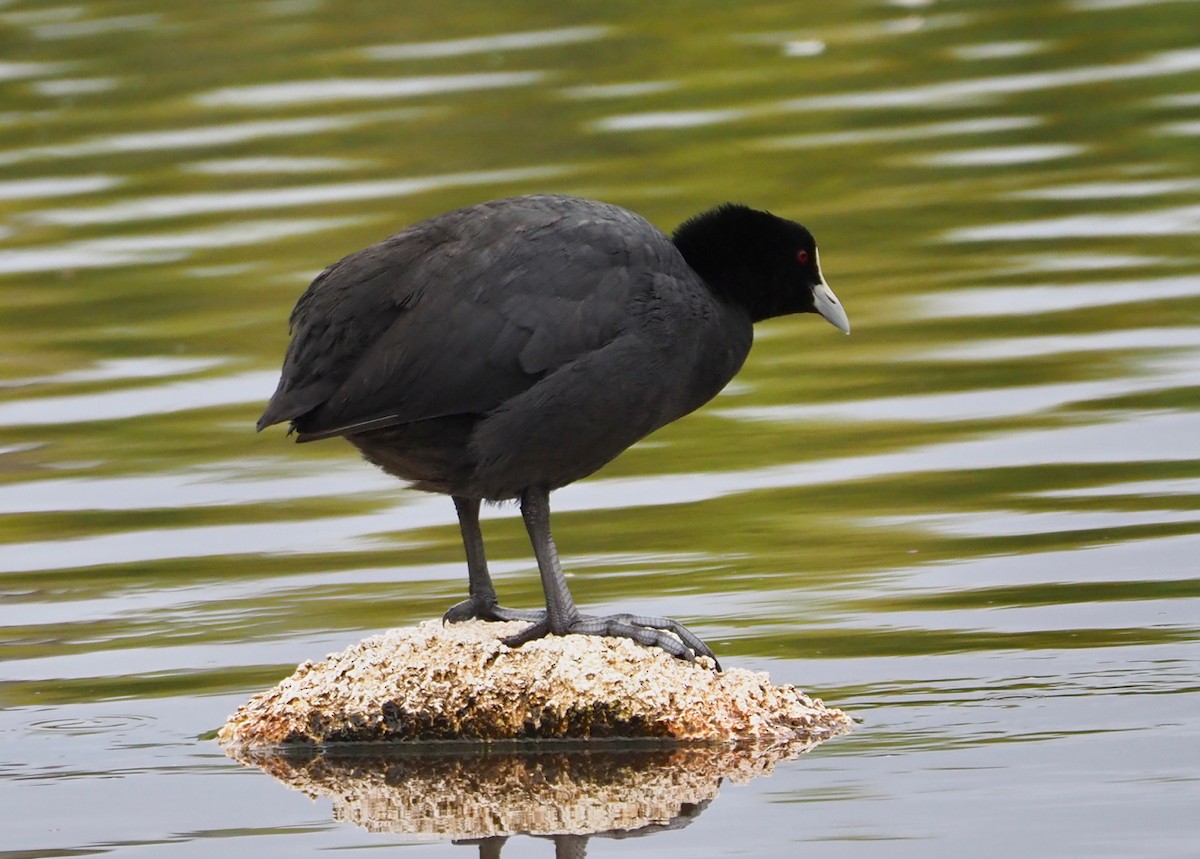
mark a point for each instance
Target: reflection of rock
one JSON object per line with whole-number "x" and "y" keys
{"x": 459, "y": 682}
{"x": 607, "y": 789}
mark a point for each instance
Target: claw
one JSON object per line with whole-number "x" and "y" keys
{"x": 476, "y": 609}
{"x": 649, "y": 631}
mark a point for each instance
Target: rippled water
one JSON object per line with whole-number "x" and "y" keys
{"x": 975, "y": 523}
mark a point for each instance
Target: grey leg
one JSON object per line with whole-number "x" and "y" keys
{"x": 563, "y": 618}
{"x": 560, "y": 608}
{"x": 481, "y": 602}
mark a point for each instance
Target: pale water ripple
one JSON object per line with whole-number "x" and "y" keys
{"x": 973, "y": 523}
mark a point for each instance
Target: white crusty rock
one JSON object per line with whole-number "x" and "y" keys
{"x": 459, "y": 682}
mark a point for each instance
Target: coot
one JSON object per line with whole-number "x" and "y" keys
{"x": 506, "y": 349}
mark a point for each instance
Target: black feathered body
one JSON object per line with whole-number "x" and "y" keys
{"x": 514, "y": 344}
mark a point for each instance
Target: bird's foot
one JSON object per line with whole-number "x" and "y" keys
{"x": 474, "y": 608}
{"x": 650, "y": 631}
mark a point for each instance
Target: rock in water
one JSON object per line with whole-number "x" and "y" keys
{"x": 459, "y": 682}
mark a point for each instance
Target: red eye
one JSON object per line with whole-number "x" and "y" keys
{"x": 802, "y": 256}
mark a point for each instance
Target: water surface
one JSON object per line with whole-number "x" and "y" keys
{"x": 975, "y": 523}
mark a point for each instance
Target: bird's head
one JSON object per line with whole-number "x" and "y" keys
{"x": 768, "y": 264}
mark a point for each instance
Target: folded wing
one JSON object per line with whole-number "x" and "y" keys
{"x": 458, "y": 314}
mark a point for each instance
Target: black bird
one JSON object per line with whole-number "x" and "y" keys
{"x": 506, "y": 349}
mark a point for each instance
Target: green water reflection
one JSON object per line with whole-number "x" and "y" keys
{"x": 974, "y": 522}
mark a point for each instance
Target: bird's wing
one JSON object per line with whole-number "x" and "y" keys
{"x": 457, "y": 314}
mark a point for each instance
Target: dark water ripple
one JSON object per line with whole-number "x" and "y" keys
{"x": 974, "y": 524}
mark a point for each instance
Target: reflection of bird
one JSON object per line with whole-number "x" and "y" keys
{"x": 506, "y": 349}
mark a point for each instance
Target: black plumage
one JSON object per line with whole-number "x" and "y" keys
{"x": 512, "y": 347}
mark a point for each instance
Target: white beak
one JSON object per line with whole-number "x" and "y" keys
{"x": 827, "y": 305}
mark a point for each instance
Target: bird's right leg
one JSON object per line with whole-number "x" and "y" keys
{"x": 563, "y": 618}
{"x": 481, "y": 603}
